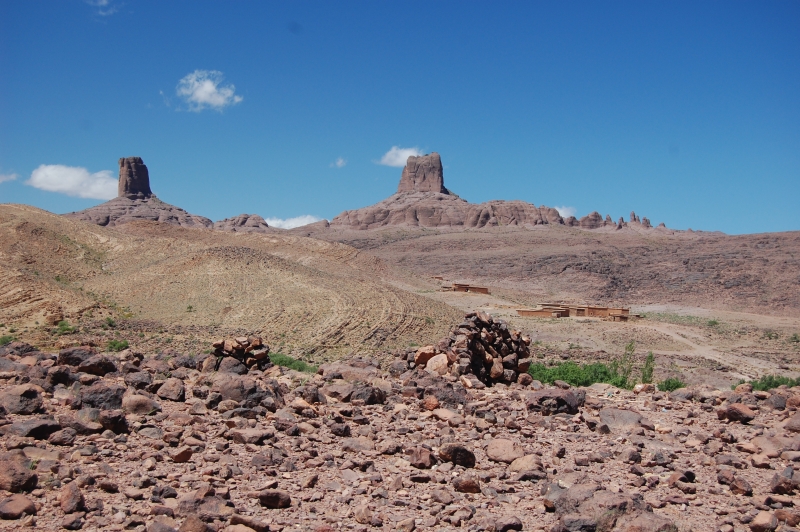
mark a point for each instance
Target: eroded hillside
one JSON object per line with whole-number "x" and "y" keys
{"x": 305, "y": 296}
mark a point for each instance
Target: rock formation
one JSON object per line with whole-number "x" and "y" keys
{"x": 134, "y": 179}
{"x": 135, "y": 201}
{"x": 423, "y": 174}
{"x": 422, "y": 200}
{"x": 244, "y": 223}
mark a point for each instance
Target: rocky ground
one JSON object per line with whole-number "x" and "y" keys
{"x": 131, "y": 442}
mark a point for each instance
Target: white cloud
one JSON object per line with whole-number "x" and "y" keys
{"x": 291, "y": 223}
{"x": 398, "y": 156}
{"x": 104, "y": 7}
{"x": 7, "y": 177}
{"x": 202, "y": 89}
{"x": 566, "y": 212}
{"x": 74, "y": 181}
{"x": 339, "y": 163}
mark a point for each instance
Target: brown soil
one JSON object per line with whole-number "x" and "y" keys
{"x": 187, "y": 286}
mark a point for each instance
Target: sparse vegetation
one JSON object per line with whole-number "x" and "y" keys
{"x": 286, "y": 361}
{"x": 671, "y": 384}
{"x": 574, "y": 374}
{"x": 64, "y": 327}
{"x": 189, "y": 308}
{"x": 771, "y": 335}
{"x": 648, "y": 368}
{"x": 117, "y": 345}
{"x": 795, "y": 338}
{"x": 110, "y": 322}
{"x": 712, "y": 323}
{"x": 5, "y": 340}
{"x": 769, "y": 382}
{"x": 617, "y": 373}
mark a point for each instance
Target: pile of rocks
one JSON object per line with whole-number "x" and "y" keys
{"x": 249, "y": 350}
{"x": 480, "y": 351}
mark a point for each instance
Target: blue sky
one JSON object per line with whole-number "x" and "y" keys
{"x": 686, "y": 112}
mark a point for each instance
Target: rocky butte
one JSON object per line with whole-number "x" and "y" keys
{"x": 422, "y": 200}
{"x": 135, "y": 201}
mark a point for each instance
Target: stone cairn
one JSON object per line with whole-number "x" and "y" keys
{"x": 480, "y": 351}
{"x": 249, "y": 350}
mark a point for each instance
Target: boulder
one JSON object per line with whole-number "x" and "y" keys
{"x": 102, "y": 395}
{"x": 71, "y": 498}
{"x": 554, "y": 401}
{"x": 15, "y": 473}
{"x": 25, "y": 399}
{"x": 274, "y": 499}
{"x": 39, "y": 429}
{"x": 97, "y": 365}
{"x": 502, "y": 450}
{"x": 16, "y": 506}
{"x": 172, "y": 390}
{"x": 74, "y": 356}
{"x": 139, "y": 404}
{"x": 457, "y": 454}
{"x": 437, "y": 364}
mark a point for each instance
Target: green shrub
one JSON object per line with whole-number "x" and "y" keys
{"x": 671, "y": 384}
{"x": 65, "y": 328}
{"x": 117, "y": 345}
{"x": 110, "y": 322}
{"x": 292, "y": 363}
{"x": 712, "y": 323}
{"x": 771, "y": 335}
{"x": 5, "y": 340}
{"x": 648, "y": 368}
{"x": 617, "y": 373}
{"x": 769, "y": 382}
{"x": 795, "y": 338}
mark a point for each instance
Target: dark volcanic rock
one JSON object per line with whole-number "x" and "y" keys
{"x": 39, "y": 429}
{"x": 74, "y": 356}
{"x": 103, "y": 396}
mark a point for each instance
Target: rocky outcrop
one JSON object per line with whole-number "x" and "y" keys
{"x": 134, "y": 179}
{"x": 123, "y": 210}
{"x": 244, "y": 223}
{"x": 423, "y": 174}
{"x": 135, "y": 202}
{"x": 422, "y": 200}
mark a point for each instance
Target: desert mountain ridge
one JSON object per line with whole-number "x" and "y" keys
{"x": 421, "y": 200}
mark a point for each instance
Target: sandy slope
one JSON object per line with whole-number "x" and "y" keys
{"x": 304, "y": 295}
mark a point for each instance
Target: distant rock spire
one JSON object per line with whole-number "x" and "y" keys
{"x": 423, "y": 174}
{"x": 134, "y": 179}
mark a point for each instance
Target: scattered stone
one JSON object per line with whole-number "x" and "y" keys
{"x": 16, "y": 507}
{"x": 274, "y": 499}
{"x": 458, "y": 454}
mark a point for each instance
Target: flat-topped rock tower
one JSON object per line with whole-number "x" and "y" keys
{"x": 134, "y": 179}
{"x": 423, "y": 174}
